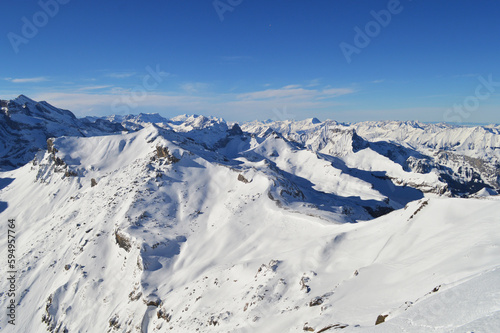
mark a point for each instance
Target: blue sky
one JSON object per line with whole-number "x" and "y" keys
{"x": 245, "y": 60}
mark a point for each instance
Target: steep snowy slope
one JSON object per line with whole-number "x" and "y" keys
{"x": 478, "y": 142}
{"x": 193, "y": 226}
{"x": 470, "y": 153}
{"x": 25, "y": 126}
{"x": 464, "y": 160}
{"x": 130, "y": 122}
{"x": 204, "y": 128}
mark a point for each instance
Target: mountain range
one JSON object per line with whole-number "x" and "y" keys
{"x": 139, "y": 223}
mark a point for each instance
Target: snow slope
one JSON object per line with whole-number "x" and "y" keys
{"x": 179, "y": 239}
{"x": 193, "y": 225}
{"x": 463, "y": 159}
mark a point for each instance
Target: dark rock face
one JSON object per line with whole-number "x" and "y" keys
{"x": 50, "y": 146}
{"x": 164, "y": 315}
{"x": 123, "y": 241}
{"x": 242, "y": 178}
{"x": 163, "y": 152}
{"x": 380, "y": 319}
{"x": 419, "y": 165}
{"x": 316, "y": 301}
{"x": 358, "y": 143}
{"x": 378, "y": 211}
{"x": 235, "y": 130}
{"x": 336, "y": 326}
{"x": 472, "y": 174}
{"x": 104, "y": 125}
{"x": 304, "y": 284}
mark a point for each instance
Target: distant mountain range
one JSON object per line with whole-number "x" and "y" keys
{"x": 139, "y": 223}
{"x": 465, "y": 159}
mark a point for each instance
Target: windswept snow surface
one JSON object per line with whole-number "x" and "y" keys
{"x": 191, "y": 225}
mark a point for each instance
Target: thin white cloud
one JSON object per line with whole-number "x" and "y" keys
{"x": 28, "y": 80}
{"x": 194, "y": 87}
{"x": 297, "y": 93}
{"x": 377, "y": 81}
{"x": 314, "y": 82}
{"x": 88, "y": 103}
{"x": 291, "y": 86}
{"x": 242, "y": 106}
{"x": 94, "y": 88}
{"x": 294, "y": 92}
{"x": 121, "y": 75}
{"x": 334, "y": 92}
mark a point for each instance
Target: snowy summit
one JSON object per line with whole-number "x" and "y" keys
{"x": 140, "y": 223}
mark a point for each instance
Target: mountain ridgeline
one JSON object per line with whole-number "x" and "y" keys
{"x": 464, "y": 160}
{"x": 139, "y": 223}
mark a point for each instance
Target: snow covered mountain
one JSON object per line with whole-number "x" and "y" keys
{"x": 191, "y": 224}
{"x": 25, "y": 126}
{"x": 465, "y": 159}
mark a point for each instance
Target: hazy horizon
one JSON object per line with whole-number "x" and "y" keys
{"x": 242, "y": 60}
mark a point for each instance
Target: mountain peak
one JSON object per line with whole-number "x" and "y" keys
{"x": 315, "y": 120}
{"x": 246, "y": 221}
{"x": 22, "y": 99}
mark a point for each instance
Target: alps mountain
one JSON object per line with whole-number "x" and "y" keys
{"x": 140, "y": 223}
